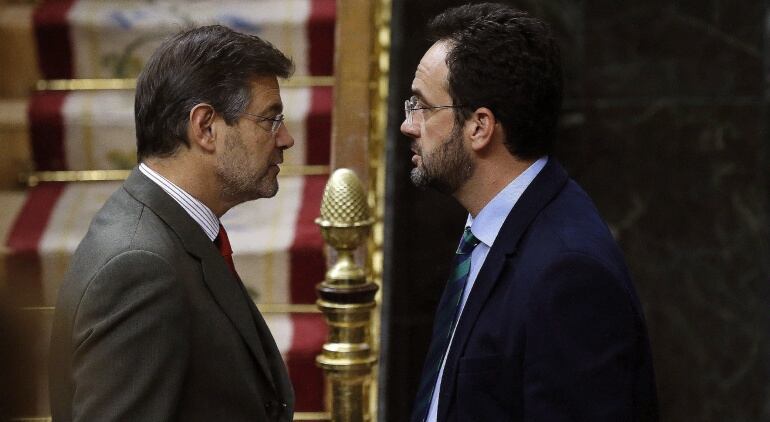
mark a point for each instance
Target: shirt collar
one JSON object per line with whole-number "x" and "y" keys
{"x": 488, "y": 222}
{"x": 199, "y": 212}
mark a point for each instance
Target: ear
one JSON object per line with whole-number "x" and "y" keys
{"x": 201, "y": 130}
{"x": 481, "y": 128}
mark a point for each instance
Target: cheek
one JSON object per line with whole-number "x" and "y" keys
{"x": 263, "y": 145}
{"x": 429, "y": 145}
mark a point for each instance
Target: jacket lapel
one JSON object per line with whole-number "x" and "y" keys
{"x": 280, "y": 377}
{"x": 234, "y": 302}
{"x": 548, "y": 183}
{"x": 226, "y": 290}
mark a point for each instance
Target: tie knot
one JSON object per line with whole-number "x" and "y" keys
{"x": 222, "y": 242}
{"x": 468, "y": 242}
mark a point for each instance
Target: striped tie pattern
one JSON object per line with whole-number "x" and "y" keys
{"x": 446, "y": 319}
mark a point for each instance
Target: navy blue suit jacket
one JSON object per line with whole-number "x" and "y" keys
{"x": 553, "y": 329}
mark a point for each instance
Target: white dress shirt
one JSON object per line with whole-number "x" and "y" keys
{"x": 197, "y": 210}
{"x": 485, "y": 227}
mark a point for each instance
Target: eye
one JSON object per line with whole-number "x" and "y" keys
{"x": 415, "y": 103}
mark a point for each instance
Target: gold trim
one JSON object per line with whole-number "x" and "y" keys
{"x": 31, "y": 419}
{"x": 35, "y": 177}
{"x": 298, "y": 416}
{"x": 85, "y": 84}
{"x": 288, "y": 308}
{"x": 378, "y": 91}
{"x": 301, "y": 81}
{"x": 307, "y": 81}
{"x": 265, "y": 308}
{"x": 312, "y": 416}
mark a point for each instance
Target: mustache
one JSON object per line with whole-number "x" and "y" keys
{"x": 278, "y": 159}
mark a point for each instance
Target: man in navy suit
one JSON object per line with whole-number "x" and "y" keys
{"x": 539, "y": 320}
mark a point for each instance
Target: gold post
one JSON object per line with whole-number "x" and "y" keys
{"x": 346, "y": 298}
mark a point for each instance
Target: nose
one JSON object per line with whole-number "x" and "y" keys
{"x": 410, "y": 129}
{"x": 283, "y": 138}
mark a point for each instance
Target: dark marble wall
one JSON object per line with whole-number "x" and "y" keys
{"x": 665, "y": 124}
{"x": 670, "y": 142}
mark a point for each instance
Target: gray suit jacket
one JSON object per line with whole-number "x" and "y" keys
{"x": 150, "y": 324}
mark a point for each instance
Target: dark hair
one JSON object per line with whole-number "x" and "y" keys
{"x": 509, "y": 62}
{"x": 210, "y": 64}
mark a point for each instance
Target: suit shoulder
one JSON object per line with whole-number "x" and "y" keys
{"x": 125, "y": 223}
{"x": 122, "y": 225}
{"x": 573, "y": 221}
{"x": 571, "y": 224}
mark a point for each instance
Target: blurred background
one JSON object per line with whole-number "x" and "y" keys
{"x": 664, "y": 124}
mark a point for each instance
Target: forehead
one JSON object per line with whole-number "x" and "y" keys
{"x": 430, "y": 79}
{"x": 265, "y": 93}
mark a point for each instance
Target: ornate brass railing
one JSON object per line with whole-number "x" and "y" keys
{"x": 346, "y": 298}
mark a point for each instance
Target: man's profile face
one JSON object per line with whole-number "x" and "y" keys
{"x": 440, "y": 158}
{"x": 248, "y": 164}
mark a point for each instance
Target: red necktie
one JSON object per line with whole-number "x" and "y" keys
{"x": 223, "y": 243}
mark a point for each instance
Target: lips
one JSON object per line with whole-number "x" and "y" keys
{"x": 278, "y": 160}
{"x": 276, "y": 164}
{"x": 416, "y": 158}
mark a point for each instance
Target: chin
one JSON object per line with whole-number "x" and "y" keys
{"x": 270, "y": 194}
{"x": 419, "y": 178}
{"x": 260, "y": 188}
{"x": 268, "y": 190}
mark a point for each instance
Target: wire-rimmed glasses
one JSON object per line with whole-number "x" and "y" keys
{"x": 413, "y": 104}
{"x": 277, "y": 121}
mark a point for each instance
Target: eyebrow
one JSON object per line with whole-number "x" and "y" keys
{"x": 421, "y": 98}
{"x": 276, "y": 108}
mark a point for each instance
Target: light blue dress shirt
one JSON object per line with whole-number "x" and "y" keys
{"x": 485, "y": 227}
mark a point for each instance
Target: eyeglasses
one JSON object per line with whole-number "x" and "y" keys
{"x": 277, "y": 121}
{"x": 413, "y": 104}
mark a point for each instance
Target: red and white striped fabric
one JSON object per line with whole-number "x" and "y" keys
{"x": 87, "y": 130}
{"x": 282, "y": 267}
{"x": 113, "y": 39}
{"x": 94, "y": 130}
{"x": 277, "y": 247}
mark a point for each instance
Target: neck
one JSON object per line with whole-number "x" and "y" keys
{"x": 194, "y": 177}
{"x": 490, "y": 176}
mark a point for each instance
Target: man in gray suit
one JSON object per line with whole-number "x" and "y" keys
{"x": 152, "y": 321}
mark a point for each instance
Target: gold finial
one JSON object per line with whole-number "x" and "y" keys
{"x": 344, "y": 223}
{"x": 346, "y": 298}
{"x": 344, "y": 201}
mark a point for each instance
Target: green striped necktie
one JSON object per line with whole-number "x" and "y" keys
{"x": 446, "y": 319}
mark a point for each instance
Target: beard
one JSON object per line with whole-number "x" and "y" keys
{"x": 242, "y": 179}
{"x": 447, "y": 168}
